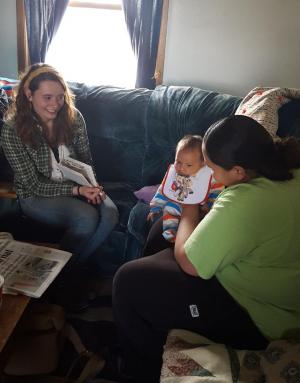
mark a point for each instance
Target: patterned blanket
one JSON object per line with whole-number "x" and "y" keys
{"x": 8, "y": 85}
{"x": 191, "y": 358}
{"x": 262, "y": 104}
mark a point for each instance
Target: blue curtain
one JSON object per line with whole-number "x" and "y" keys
{"x": 42, "y": 19}
{"x": 143, "y": 19}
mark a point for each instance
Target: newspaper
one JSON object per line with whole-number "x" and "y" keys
{"x": 77, "y": 171}
{"x": 29, "y": 269}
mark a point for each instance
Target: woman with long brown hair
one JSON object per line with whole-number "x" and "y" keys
{"x": 42, "y": 128}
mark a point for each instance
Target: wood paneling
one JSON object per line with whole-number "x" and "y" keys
{"x": 159, "y": 70}
{"x": 23, "y": 54}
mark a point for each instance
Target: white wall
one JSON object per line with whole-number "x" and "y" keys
{"x": 225, "y": 45}
{"x": 8, "y": 39}
{"x": 233, "y": 45}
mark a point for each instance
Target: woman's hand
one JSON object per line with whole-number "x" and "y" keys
{"x": 102, "y": 193}
{"x": 150, "y": 216}
{"x": 190, "y": 217}
{"x": 94, "y": 194}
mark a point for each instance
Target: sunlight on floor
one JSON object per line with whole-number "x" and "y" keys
{"x": 93, "y": 46}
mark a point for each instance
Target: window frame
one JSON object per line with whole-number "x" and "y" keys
{"x": 90, "y": 4}
{"x": 161, "y": 50}
{"x": 22, "y": 40}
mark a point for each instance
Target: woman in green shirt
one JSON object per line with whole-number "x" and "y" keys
{"x": 233, "y": 276}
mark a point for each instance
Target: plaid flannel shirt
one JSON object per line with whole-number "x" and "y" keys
{"x": 32, "y": 167}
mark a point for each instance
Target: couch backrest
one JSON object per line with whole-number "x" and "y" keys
{"x": 289, "y": 119}
{"x": 116, "y": 120}
{"x": 173, "y": 112}
{"x": 133, "y": 132}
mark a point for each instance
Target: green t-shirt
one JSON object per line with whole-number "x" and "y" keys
{"x": 250, "y": 240}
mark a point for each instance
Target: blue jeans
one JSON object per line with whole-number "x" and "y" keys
{"x": 86, "y": 226}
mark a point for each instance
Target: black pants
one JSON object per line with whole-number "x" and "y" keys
{"x": 152, "y": 295}
{"x": 155, "y": 241}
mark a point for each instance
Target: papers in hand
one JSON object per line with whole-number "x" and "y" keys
{"x": 187, "y": 189}
{"x": 77, "y": 171}
{"x": 29, "y": 269}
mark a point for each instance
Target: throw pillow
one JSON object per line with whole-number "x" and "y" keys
{"x": 146, "y": 193}
{"x": 262, "y": 104}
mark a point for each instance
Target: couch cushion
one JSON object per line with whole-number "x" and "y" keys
{"x": 123, "y": 196}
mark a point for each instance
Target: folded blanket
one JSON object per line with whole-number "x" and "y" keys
{"x": 262, "y": 104}
{"x": 8, "y": 85}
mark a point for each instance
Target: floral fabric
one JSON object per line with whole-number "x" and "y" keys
{"x": 262, "y": 104}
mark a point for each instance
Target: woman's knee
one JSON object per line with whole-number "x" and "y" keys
{"x": 123, "y": 276}
{"x": 137, "y": 275}
{"x": 109, "y": 212}
{"x": 126, "y": 282}
{"x": 85, "y": 220}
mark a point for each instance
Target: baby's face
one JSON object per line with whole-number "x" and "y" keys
{"x": 188, "y": 162}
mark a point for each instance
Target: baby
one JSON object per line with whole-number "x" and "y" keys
{"x": 188, "y": 161}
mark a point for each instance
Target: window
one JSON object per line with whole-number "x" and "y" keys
{"x": 92, "y": 45}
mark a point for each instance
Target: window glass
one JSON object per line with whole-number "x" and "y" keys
{"x": 92, "y": 45}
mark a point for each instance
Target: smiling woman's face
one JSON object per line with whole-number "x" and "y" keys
{"x": 47, "y": 100}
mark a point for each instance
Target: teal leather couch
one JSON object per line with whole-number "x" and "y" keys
{"x": 133, "y": 134}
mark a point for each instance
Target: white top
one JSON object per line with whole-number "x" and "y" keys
{"x": 63, "y": 152}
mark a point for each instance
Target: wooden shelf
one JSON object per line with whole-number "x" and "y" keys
{"x": 7, "y": 190}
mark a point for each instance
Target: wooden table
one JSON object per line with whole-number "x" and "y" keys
{"x": 11, "y": 311}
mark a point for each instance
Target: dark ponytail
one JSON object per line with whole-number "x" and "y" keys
{"x": 240, "y": 140}
{"x": 285, "y": 156}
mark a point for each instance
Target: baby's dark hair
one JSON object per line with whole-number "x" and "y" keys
{"x": 190, "y": 142}
{"x": 240, "y": 140}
